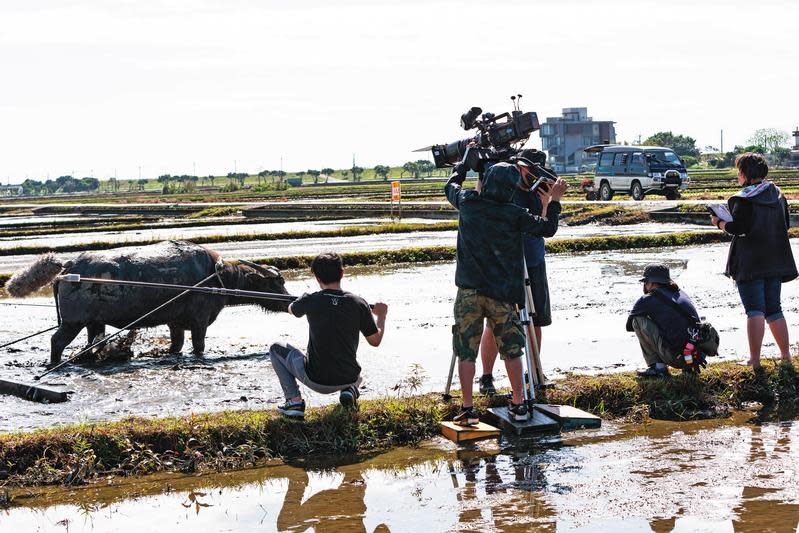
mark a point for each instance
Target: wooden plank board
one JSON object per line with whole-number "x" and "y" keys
{"x": 537, "y": 423}
{"x": 34, "y": 393}
{"x": 457, "y": 433}
{"x": 569, "y": 417}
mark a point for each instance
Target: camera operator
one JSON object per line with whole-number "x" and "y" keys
{"x": 490, "y": 274}
{"x": 537, "y": 203}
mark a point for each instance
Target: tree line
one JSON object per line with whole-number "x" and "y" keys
{"x": 768, "y": 141}
{"x": 65, "y": 184}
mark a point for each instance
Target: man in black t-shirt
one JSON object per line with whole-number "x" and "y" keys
{"x": 335, "y": 320}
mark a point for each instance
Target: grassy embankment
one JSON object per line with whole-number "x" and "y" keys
{"x": 235, "y": 439}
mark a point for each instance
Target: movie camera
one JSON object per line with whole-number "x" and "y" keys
{"x": 499, "y": 138}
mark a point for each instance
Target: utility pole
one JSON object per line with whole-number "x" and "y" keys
{"x": 722, "y": 141}
{"x": 193, "y": 168}
{"x": 234, "y": 167}
{"x": 139, "y": 171}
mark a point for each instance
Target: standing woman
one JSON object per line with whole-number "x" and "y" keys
{"x": 760, "y": 258}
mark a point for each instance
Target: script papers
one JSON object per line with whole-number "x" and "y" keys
{"x": 720, "y": 211}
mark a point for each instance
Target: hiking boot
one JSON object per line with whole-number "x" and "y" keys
{"x": 467, "y": 417}
{"x": 292, "y": 409}
{"x": 654, "y": 372}
{"x": 348, "y": 398}
{"x": 487, "y": 385}
{"x": 518, "y": 412}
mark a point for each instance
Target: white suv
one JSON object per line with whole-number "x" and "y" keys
{"x": 637, "y": 171}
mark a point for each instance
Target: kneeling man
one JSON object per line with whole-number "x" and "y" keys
{"x": 335, "y": 320}
{"x": 660, "y": 319}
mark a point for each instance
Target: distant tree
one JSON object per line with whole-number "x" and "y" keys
{"x": 211, "y": 179}
{"x": 142, "y": 183}
{"x": 681, "y": 144}
{"x": 757, "y": 148}
{"x": 357, "y": 172}
{"x": 327, "y": 171}
{"x": 425, "y": 166}
{"x": 412, "y": 168}
{"x": 90, "y": 184}
{"x": 314, "y": 174}
{"x": 30, "y": 186}
{"x": 164, "y": 180}
{"x": 770, "y": 138}
{"x": 50, "y": 187}
{"x": 345, "y": 173}
{"x": 382, "y": 171}
{"x": 300, "y": 174}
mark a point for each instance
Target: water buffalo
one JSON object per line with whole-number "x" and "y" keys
{"x": 93, "y": 306}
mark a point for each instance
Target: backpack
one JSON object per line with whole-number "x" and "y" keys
{"x": 702, "y": 333}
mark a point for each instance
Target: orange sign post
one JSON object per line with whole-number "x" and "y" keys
{"x": 396, "y": 196}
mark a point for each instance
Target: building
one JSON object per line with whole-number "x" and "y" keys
{"x": 564, "y": 137}
{"x": 795, "y": 149}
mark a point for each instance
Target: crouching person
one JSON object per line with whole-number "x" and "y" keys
{"x": 335, "y": 320}
{"x": 660, "y": 320}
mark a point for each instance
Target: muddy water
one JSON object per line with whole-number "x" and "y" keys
{"x": 591, "y": 295}
{"x": 697, "y": 476}
{"x": 314, "y": 245}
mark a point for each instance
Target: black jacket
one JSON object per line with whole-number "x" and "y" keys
{"x": 490, "y": 231}
{"x": 760, "y": 247}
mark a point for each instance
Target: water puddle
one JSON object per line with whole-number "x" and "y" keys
{"x": 694, "y": 476}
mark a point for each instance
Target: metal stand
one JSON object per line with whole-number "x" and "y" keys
{"x": 532, "y": 356}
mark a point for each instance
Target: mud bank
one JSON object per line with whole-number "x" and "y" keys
{"x": 234, "y": 439}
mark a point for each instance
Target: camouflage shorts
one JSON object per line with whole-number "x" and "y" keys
{"x": 470, "y": 310}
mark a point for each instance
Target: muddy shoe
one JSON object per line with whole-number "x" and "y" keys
{"x": 467, "y": 417}
{"x": 348, "y": 398}
{"x": 654, "y": 372}
{"x": 487, "y": 385}
{"x": 292, "y": 409}
{"x": 518, "y": 412}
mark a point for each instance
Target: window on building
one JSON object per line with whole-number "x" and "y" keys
{"x": 595, "y": 132}
{"x": 547, "y": 129}
{"x": 587, "y": 140}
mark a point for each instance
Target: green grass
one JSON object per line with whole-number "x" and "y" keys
{"x": 236, "y": 439}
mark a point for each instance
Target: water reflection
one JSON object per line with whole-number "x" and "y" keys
{"x": 662, "y": 477}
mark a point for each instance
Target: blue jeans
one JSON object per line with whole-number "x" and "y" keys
{"x": 761, "y": 297}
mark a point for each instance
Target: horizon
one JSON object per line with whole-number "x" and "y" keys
{"x": 206, "y": 88}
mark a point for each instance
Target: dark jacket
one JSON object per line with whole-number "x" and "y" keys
{"x": 534, "y": 250}
{"x": 672, "y": 324}
{"x": 760, "y": 247}
{"x": 490, "y": 234}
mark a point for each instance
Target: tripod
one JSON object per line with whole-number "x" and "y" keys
{"x": 532, "y": 359}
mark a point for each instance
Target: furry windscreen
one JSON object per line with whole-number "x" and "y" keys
{"x": 29, "y": 280}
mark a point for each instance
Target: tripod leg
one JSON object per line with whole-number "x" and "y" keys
{"x": 447, "y": 395}
{"x": 537, "y": 373}
{"x": 529, "y": 393}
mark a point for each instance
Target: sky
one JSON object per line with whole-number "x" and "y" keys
{"x": 106, "y": 88}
